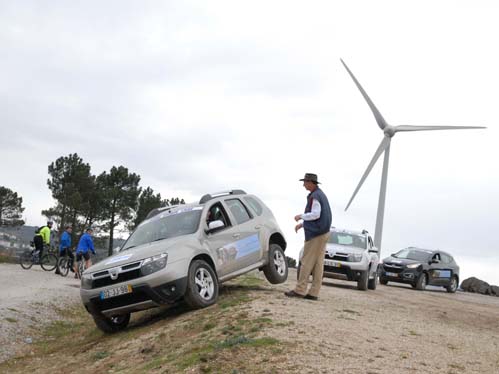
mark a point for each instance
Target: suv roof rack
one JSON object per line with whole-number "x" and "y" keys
{"x": 155, "y": 211}
{"x": 208, "y": 196}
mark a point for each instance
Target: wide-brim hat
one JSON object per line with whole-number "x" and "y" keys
{"x": 310, "y": 177}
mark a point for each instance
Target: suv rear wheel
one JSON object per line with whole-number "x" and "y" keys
{"x": 372, "y": 283}
{"x": 111, "y": 324}
{"x": 452, "y": 287}
{"x": 276, "y": 271}
{"x": 202, "y": 285}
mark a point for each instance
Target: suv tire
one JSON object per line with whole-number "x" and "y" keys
{"x": 202, "y": 285}
{"x": 276, "y": 270}
{"x": 452, "y": 287}
{"x": 363, "y": 280}
{"x": 111, "y": 324}
{"x": 372, "y": 283}
{"x": 422, "y": 282}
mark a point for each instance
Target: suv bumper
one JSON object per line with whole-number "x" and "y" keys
{"x": 408, "y": 276}
{"x": 344, "y": 270}
{"x": 142, "y": 297}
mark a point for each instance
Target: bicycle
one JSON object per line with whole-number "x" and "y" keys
{"x": 65, "y": 264}
{"x": 81, "y": 266}
{"x": 48, "y": 262}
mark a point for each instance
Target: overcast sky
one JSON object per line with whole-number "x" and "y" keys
{"x": 199, "y": 97}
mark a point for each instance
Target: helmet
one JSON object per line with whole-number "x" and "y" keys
{"x": 50, "y": 222}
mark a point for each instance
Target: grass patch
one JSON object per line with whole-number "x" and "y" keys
{"x": 223, "y": 338}
{"x": 100, "y": 355}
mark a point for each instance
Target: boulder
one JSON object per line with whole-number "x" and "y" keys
{"x": 476, "y": 285}
{"x": 494, "y": 290}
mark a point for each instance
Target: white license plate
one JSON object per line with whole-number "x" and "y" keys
{"x": 116, "y": 291}
{"x": 395, "y": 275}
{"x": 332, "y": 263}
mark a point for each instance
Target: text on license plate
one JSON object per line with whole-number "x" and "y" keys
{"x": 116, "y": 291}
{"x": 332, "y": 263}
{"x": 392, "y": 274}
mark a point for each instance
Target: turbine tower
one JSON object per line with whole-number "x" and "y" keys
{"x": 389, "y": 131}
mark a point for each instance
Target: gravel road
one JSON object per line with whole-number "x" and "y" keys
{"x": 393, "y": 329}
{"x": 28, "y": 299}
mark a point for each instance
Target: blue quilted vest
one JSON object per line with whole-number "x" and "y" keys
{"x": 321, "y": 225}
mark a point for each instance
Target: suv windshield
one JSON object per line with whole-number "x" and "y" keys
{"x": 412, "y": 254}
{"x": 176, "y": 223}
{"x": 344, "y": 238}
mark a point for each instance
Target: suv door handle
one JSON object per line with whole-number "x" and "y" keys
{"x": 258, "y": 227}
{"x": 236, "y": 235}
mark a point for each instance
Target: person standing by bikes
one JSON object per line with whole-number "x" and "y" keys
{"x": 42, "y": 238}
{"x": 85, "y": 245}
{"x": 65, "y": 247}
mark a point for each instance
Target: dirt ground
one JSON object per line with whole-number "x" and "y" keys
{"x": 392, "y": 329}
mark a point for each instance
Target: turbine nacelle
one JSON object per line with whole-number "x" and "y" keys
{"x": 389, "y": 130}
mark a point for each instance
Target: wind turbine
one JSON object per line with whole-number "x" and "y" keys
{"x": 389, "y": 131}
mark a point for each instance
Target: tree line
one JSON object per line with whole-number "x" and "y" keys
{"x": 105, "y": 202}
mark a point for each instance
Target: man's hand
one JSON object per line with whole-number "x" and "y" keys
{"x": 298, "y": 217}
{"x": 298, "y": 226}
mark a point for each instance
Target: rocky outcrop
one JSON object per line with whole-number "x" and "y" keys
{"x": 476, "y": 285}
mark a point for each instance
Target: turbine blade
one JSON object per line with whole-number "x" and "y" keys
{"x": 377, "y": 115}
{"x": 429, "y": 128}
{"x": 381, "y": 148}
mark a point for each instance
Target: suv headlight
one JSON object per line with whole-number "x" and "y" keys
{"x": 355, "y": 257}
{"x": 86, "y": 281}
{"x": 153, "y": 264}
{"x": 413, "y": 266}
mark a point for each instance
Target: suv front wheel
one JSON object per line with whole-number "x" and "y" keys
{"x": 111, "y": 324}
{"x": 276, "y": 271}
{"x": 202, "y": 285}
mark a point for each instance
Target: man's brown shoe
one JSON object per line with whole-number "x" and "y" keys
{"x": 310, "y": 297}
{"x": 292, "y": 294}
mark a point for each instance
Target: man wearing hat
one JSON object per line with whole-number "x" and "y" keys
{"x": 316, "y": 222}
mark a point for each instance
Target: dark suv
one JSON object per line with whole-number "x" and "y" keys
{"x": 419, "y": 268}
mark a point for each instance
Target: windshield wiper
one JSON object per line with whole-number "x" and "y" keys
{"x": 156, "y": 240}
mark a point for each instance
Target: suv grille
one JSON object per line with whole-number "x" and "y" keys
{"x": 394, "y": 268}
{"x": 124, "y": 273}
{"x": 337, "y": 257}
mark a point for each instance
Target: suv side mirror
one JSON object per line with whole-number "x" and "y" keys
{"x": 373, "y": 250}
{"x": 215, "y": 225}
{"x": 116, "y": 249}
{"x": 434, "y": 261}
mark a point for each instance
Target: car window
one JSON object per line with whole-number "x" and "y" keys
{"x": 167, "y": 225}
{"x": 254, "y": 205}
{"x": 344, "y": 238}
{"x": 217, "y": 213}
{"x": 238, "y": 210}
{"x": 413, "y": 254}
{"x": 446, "y": 259}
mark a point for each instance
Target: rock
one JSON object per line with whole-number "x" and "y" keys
{"x": 494, "y": 290}
{"x": 479, "y": 286}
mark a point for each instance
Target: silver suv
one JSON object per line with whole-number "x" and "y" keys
{"x": 351, "y": 255}
{"x": 185, "y": 252}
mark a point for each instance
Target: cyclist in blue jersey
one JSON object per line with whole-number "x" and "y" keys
{"x": 85, "y": 246}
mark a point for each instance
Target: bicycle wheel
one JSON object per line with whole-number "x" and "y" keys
{"x": 48, "y": 262}
{"x": 26, "y": 260}
{"x": 63, "y": 266}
